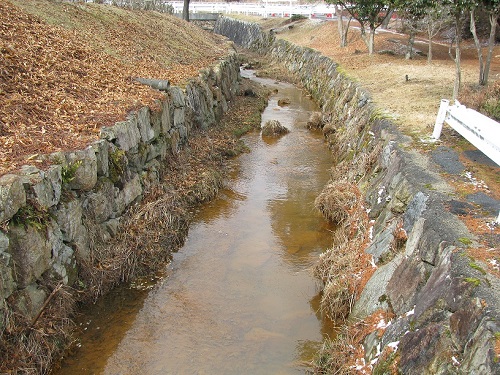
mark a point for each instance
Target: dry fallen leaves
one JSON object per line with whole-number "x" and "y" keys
{"x": 58, "y": 87}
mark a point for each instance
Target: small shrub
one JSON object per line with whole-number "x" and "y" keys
{"x": 68, "y": 171}
{"x": 297, "y": 17}
{"x": 32, "y": 215}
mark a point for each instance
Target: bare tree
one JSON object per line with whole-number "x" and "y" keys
{"x": 436, "y": 19}
{"x": 492, "y": 7}
{"x": 369, "y": 13}
{"x": 342, "y": 28}
{"x": 185, "y": 11}
{"x": 458, "y": 9}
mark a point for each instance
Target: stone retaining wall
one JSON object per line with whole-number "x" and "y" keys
{"x": 447, "y": 312}
{"x": 42, "y": 211}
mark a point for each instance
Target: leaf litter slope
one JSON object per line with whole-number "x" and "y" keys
{"x": 66, "y": 70}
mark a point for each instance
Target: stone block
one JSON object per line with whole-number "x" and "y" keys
{"x": 63, "y": 268}
{"x": 31, "y": 252}
{"x": 373, "y": 296}
{"x": 99, "y": 204}
{"x": 178, "y": 97}
{"x": 132, "y": 190}
{"x": 124, "y": 134}
{"x": 156, "y": 115}
{"x": 159, "y": 148}
{"x": 381, "y": 243}
{"x": 175, "y": 140}
{"x": 44, "y": 188}
{"x": 179, "y": 118}
{"x": 167, "y": 115}
{"x": 101, "y": 151}
{"x": 7, "y": 283}
{"x": 69, "y": 218}
{"x": 85, "y": 175}
{"x": 407, "y": 280}
{"x": 29, "y": 300}
{"x": 12, "y": 196}
{"x": 144, "y": 124}
{"x": 4, "y": 242}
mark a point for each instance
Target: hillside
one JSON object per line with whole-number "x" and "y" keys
{"x": 67, "y": 69}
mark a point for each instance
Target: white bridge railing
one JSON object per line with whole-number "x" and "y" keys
{"x": 478, "y": 129}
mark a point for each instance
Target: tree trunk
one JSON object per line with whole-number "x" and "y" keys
{"x": 429, "y": 50}
{"x": 368, "y": 39}
{"x": 411, "y": 43}
{"x": 341, "y": 27}
{"x": 477, "y": 42}
{"x": 458, "y": 73}
{"x": 387, "y": 19}
{"x": 491, "y": 44}
{"x": 185, "y": 11}
{"x": 371, "y": 44}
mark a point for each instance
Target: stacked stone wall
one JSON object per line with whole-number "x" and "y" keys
{"x": 42, "y": 211}
{"x": 447, "y": 312}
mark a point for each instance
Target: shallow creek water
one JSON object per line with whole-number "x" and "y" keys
{"x": 239, "y": 297}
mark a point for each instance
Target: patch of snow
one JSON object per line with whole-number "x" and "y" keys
{"x": 494, "y": 263}
{"x": 480, "y": 184}
{"x": 411, "y": 312}
{"x": 380, "y": 192}
{"x": 382, "y": 324}
{"x": 393, "y": 345}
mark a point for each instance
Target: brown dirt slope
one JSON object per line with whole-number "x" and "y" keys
{"x": 68, "y": 69}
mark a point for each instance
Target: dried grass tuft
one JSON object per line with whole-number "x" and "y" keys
{"x": 274, "y": 128}
{"x": 333, "y": 357}
{"x": 337, "y": 201}
{"x": 315, "y": 121}
{"x": 29, "y": 346}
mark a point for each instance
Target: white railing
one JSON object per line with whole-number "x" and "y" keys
{"x": 262, "y": 9}
{"x": 478, "y": 129}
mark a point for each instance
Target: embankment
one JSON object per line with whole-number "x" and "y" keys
{"x": 440, "y": 306}
{"x": 56, "y": 222}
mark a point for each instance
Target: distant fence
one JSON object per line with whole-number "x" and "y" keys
{"x": 262, "y": 9}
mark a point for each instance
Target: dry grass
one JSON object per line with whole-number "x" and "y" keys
{"x": 30, "y": 346}
{"x": 315, "y": 121}
{"x": 337, "y": 201}
{"x": 344, "y": 268}
{"x": 273, "y": 128}
{"x": 345, "y": 353}
{"x": 67, "y": 69}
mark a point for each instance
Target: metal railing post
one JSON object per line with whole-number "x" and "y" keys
{"x": 438, "y": 126}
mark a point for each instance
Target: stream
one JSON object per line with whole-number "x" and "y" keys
{"x": 239, "y": 297}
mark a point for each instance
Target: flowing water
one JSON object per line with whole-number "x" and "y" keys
{"x": 239, "y": 297}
